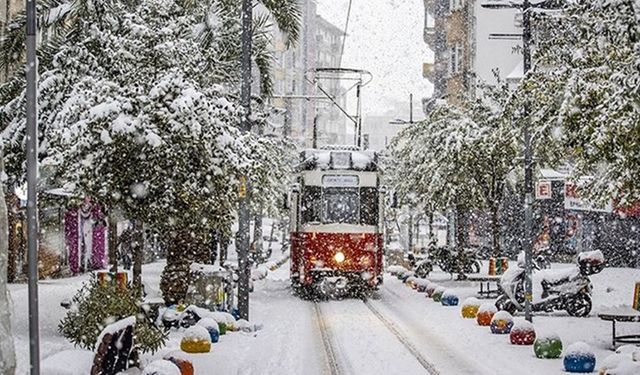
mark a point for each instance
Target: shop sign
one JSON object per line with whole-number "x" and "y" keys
{"x": 573, "y": 201}
{"x": 543, "y": 189}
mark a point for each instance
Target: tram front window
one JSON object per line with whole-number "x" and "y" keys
{"x": 341, "y": 205}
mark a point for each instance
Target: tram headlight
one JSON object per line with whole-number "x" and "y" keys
{"x": 339, "y": 257}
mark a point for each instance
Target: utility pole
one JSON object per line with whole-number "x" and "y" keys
{"x": 287, "y": 117}
{"x": 244, "y": 217}
{"x": 528, "y": 166}
{"x": 32, "y": 180}
{"x": 528, "y": 151}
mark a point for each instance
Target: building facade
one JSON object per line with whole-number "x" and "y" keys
{"x": 304, "y": 105}
{"x": 470, "y": 44}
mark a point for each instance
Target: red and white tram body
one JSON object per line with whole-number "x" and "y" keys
{"x": 336, "y": 221}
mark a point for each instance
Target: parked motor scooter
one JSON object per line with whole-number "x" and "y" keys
{"x": 553, "y": 289}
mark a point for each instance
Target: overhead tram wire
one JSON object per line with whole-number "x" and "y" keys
{"x": 344, "y": 37}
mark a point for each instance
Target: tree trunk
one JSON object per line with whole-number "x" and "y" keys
{"x": 461, "y": 227}
{"x": 14, "y": 238}
{"x": 431, "y": 241}
{"x": 137, "y": 247}
{"x": 183, "y": 250}
{"x": 7, "y": 349}
{"x": 495, "y": 230}
{"x": 112, "y": 227}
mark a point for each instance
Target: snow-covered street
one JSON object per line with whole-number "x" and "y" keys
{"x": 396, "y": 331}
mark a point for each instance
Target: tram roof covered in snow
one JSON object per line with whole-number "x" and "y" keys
{"x": 339, "y": 157}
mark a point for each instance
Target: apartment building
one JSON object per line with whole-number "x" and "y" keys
{"x": 470, "y": 43}
{"x": 319, "y": 47}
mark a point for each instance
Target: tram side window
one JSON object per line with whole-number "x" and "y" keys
{"x": 311, "y": 204}
{"x": 369, "y": 206}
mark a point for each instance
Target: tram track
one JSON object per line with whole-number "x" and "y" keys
{"x": 428, "y": 366}
{"x": 329, "y": 342}
{"x": 325, "y": 335}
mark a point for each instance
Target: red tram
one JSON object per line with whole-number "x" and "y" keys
{"x": 337, "y": 222}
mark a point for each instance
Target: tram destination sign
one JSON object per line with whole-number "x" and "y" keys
{"x": 340, "y": 181}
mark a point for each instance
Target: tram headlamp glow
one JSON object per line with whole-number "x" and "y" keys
{"x": 339, "y": 257}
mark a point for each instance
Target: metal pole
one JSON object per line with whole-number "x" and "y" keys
{"x": 243, "y": 209}
{"x": 32, "y": 180}
{"x": 314, "y": 142}
{"x": 410, "y": 234}
{"x": 287, "y": 118}
{"x": 305, "y": 66}
{"x": 528, "y": 164}
{"x": 411, "y": 108}
{"x": 359, "y": 117}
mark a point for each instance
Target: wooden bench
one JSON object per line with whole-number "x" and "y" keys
{"x": 622, "y": 315}
{"x": 485, "y": 285}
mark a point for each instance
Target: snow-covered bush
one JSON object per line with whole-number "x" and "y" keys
{"x": 95, "y": 306}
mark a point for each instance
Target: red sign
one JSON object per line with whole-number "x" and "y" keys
{"x": 543, "y": 190}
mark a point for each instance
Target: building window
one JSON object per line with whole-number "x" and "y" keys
{"x": 456, "y": 55}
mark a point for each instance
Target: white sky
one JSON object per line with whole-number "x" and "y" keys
{"x": 385, "y": 37}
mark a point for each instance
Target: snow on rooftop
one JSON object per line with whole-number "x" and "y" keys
{"x": 517, "y": 73}
{"x": 339, "y": 159}
{"x": 552, "y": 174}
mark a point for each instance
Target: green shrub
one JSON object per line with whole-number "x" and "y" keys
{"x": 95, "y": 306}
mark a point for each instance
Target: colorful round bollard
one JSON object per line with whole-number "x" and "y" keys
{"x": 422, "y": 285}
{"x": 470, "y": 308}
{"x": 449, "y": 299}
{"x": 548, "y": 346}
{"x": 522, "y": 333}
{"x": 185, "y": 366}
{"x": 437, "y": 294}
{"x": 485, "y": 314}
{"x": 579, "y": 358}
{"x": 501, "y": 323}
{"x": 406, "y": 276}
{"x": 212, "y": 327}
{"x": 196, "y": 339}
{"x": 222, "y": 328}
{"x": 411, "y": 282}
{"x": 431, "y": 288}
{"x": 235, "y": 313}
